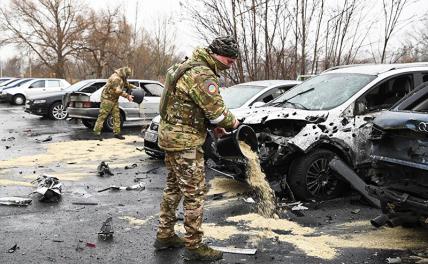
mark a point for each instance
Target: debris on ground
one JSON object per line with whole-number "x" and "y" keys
{"x": 91, "y": 245}
{"x": 13, "y": 249}
{"x": 393, "y": 260}
{"x": 104, "y": 170}
{"x": 233, "y": 250}
{"x": 140, "y": 187}
{"x": 138, "y": 179}
{"x": 356, "y": 211}
{"x": 47, "y": 139}
{"x": 49, "y": 188}
{"x": 249, "y": 200}
{"x": 140, "y": 148}
{"x": 84, "y": 203}
{"x": 133, "y": 166}
{"x": 151, "y": 170}
{"x": 17, "y": 201}
{"x": 106, "y": 231}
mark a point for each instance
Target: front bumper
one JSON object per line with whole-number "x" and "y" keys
{"x": 36, "y": 109}
{"x": 151, "y": 143}
{"x": 3, "y": 96}
{"x": 9, "y": 97}
{"x": 83, "y": 113}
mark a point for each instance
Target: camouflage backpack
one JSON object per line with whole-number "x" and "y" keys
{"x": 173, "y": 74}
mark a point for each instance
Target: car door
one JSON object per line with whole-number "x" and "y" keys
{"x": 380, "y": 97}
{"x": 37, "y": 87}
{"x": 53, "y": 86}
{"x": 131, "y": 109}
{"x": 149, "y": 108}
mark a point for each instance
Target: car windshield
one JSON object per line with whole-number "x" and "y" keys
{"x": 76, "y": 86}
{"x": 324, "y": 92}
{"x": 237, "y": 95}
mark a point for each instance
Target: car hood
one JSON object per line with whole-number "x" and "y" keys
{"x": 262, "y": 114}
{"x": 391, "y": 120}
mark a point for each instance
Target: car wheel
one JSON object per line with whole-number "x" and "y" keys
{"x": 108, "y": 124}
{"x": 18, "y": 99}
{"x": 310, "y": 176}
{"x": 57, "y": 111}
{"x": 89, "y": 123}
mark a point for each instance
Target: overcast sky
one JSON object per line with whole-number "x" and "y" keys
{"x": 148, "y": 11}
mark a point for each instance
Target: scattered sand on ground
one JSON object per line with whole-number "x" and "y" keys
{"x": 6, "y": 182}
{"x": 257, "y": 180}
{"x": 214, "y": 231}
{"x": 77, "y": 151}
{"x": 118, "y": 153}
{"x": 135, "y": 221}
{"x": 228, "y": 186}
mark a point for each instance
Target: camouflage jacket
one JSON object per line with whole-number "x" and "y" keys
{"x": 115, "y": 86}
{"x": 193, "y": 104}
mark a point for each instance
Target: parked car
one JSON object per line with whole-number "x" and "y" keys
{"x": 51, "y": 105}
{"x": 4, "y": 83}
{"x": 11, "y": 84}
{"x": 4, "y": 79}
{"x": 328, "y": 115}
{"x": 237, "y": 98}
{"x": 85, "y": 106}
{"x": 400, "y": 164}
{"x": 35, "y": 87}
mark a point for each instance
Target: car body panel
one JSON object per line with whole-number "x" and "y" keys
{"x": 37, "y": 87}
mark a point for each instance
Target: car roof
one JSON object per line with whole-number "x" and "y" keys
{"x": 271, "y": 82}
{"x": 375, "y": 69}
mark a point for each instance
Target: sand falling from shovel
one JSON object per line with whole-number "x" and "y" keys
{"x": 257, "y": 180}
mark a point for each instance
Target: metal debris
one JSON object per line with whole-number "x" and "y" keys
{"x": 84, "y": 203}
{"x": 13, "y": 249}
{"x": 139, "y": 187}
{"x": 18, "y": 201}
{"x": 393, "y": 260}
{"x": 131, "y": 166}
{"x": 47, "y": 139}
{"x": 49, "y": 188}
{"x": 245, "y": 251}
{"x": 104, "y": 170}
{"x": 106, "y": 231}
{"x": 249, "y": 200}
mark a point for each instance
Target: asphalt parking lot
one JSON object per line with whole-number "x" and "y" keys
{"x": 336, "y": 231}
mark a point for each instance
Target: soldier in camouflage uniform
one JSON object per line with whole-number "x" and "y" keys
{"x": 114, "y": 88}
{"x": 191, "y": 100}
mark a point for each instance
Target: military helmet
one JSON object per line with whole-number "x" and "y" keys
{"x": 225, "y": 46}
{"x": 125, "y": 72}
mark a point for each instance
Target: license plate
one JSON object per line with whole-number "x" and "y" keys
{"x": 78, "y": 104}
{"x": 151, "y": 137}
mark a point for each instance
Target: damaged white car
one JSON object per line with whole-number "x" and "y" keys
{"x": 326, "y": 116}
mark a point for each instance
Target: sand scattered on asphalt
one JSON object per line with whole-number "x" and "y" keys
{"x": 228, "y": 186}
{"x": 6, "y": 182}
{"x": 214, "y": 231}
{"x": 136, "y": 221}
{"x": 82, "y": 152}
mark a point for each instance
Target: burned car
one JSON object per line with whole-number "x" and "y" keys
{"x": 400, "y": 161}
{"x": 328, "y": 115}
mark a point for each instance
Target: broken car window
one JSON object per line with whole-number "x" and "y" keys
{"x": 325, "y": 91}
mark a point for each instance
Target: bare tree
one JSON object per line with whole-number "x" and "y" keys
{"x": 50, "y": 28}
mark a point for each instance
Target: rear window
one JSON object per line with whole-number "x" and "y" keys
{"x": 53, "y": 83}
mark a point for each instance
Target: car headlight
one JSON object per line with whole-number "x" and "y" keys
{"x": 39, "y": 101}
{"x": 154, "y": 126}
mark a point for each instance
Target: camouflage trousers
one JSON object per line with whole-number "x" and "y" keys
{"x": 106, "y": 108}
{"x": 186, "y": 178}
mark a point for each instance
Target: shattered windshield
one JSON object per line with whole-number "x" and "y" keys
{"x": 324, "y": 92}
{"x": 237, "y": 95}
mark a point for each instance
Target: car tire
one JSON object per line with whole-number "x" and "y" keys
{"x": 89, "y": 123}
{"x": 108, "y": 124}
{"x": 57, "y": 111}
{"x": 310, "y": 176}
{"x": 18, "y": 99}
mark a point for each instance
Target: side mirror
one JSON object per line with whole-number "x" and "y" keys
{"x": 257, "y": 104}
